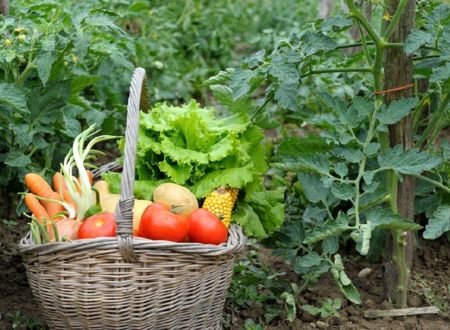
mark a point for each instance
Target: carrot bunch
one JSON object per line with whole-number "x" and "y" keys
{"x": 48, "y": 206}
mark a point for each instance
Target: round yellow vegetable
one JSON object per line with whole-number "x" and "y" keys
{"x": 180, "y": 199}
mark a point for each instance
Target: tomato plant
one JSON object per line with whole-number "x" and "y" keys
{"x": 348, "y": 173}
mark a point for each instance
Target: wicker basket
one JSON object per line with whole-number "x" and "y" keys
{"x": 127, "y": 282}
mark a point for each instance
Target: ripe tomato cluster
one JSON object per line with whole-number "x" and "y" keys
{"x": 158, "y": 222}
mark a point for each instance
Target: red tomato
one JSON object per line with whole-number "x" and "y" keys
{"x": 205, "y": 227}
{"x": 158, "y": 223}
{"x": 98, "y": 225}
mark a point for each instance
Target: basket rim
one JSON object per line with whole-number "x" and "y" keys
{"x": 235, "y": 243}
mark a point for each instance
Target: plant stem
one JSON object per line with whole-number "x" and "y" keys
{"x": 395, "y": 19}
{"x": 364, "y": 44}
{"x": 371, "y": 43}
{"x": 333, "y": 70}
{"x": 433, "y": 182}
{"x": 358, "y": 15}
{"x": 435, "y": 118}
{"x": 25, "y": 73}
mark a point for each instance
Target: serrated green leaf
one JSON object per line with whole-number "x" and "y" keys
{"x": 439, "y": 223}
{"x": 240, "y": 82}
{"x": 349, "y": 154}
{"x": 441, "y": 73}
{"x": 380, "y": 217}
{"x": 254, "y": 59}
{"x": 44, "y": 62}
{"x": 363, "y": 105}
{"x": 308, "y": 163}
{"x": 314, "y": 42}
{"x": 309, "y": 145}
{"x": 286, "y": 95}
{"x": 98, "y": 20}
{"x": 323, "y": 232}
{"x": 286, "y": 73}
{"x": 411, "y": 161}
{"x": 225, "y": 95}
{"x": 417, "y": 39}
{"x": 13, "y": 96}
{"x": 343, "y": 191}
{"x": 308, "y": 260}
{"x": 396, "y": 111}
{"x": 336, "y": 23}
{"x": 313, "y": 188}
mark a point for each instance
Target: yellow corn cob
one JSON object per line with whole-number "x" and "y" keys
{"x": 221, "y": 202}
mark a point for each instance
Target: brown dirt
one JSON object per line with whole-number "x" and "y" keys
{"x": 431, "y": 271}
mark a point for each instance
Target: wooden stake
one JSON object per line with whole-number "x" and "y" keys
{"x": 372, "y": 313}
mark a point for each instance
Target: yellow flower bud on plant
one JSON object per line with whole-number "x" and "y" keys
{"x": 7, "y": 42}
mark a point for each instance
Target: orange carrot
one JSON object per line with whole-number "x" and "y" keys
{"x": 61, "y": 188}
{"x": 90, "y": 176}
{"x": 36, "y": 208}
{"x": 38, "y": 185}
{"x": 41, "y": 188}
{"x": 52, "y": 207}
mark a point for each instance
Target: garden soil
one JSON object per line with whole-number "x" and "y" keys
{"x": 431, "y": 272}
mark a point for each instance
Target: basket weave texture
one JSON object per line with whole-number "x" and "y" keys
{"x": 127, "y": 282}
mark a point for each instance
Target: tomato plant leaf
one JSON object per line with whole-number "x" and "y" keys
{"x": 314, "y": 42}
{"x": 44, "y": 62}
{"x": 313, "y": 187}
{"x": 343, "y": 191}
{"x": 330, "y": 245}
{"x": 225, "y": 95}
{"x": 396, "y": 110}
{"x": 240, "y": 82}
{"x": 308, "y": 260}
{"x": 286, "y": 95}
{"x": 439, "y": 223}
{"x": 441, "y": 73}
{"x": 325, "y": 231}
{"x": 13, "y": 96}
{"x": 284, "y": 72}
{"x": 411, "y": 161}
{"x": 336, "y": 24}
{"x": 417, "y": 39}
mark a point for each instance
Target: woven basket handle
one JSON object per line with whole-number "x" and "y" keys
{"x": 124, "y": 211}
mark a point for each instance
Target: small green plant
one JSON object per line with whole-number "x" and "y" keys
{"x": 329, "y": 307}
{"x": 251, "y": 325}
{"x": 256, "y": 286}
{"x": 18, "y": 321}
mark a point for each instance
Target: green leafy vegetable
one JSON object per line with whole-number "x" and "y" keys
{"x": 189, "y": 145}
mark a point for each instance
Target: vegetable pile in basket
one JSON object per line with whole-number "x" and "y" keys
{"x": 186, "y": 157}
{"x": 220, "y": 160}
